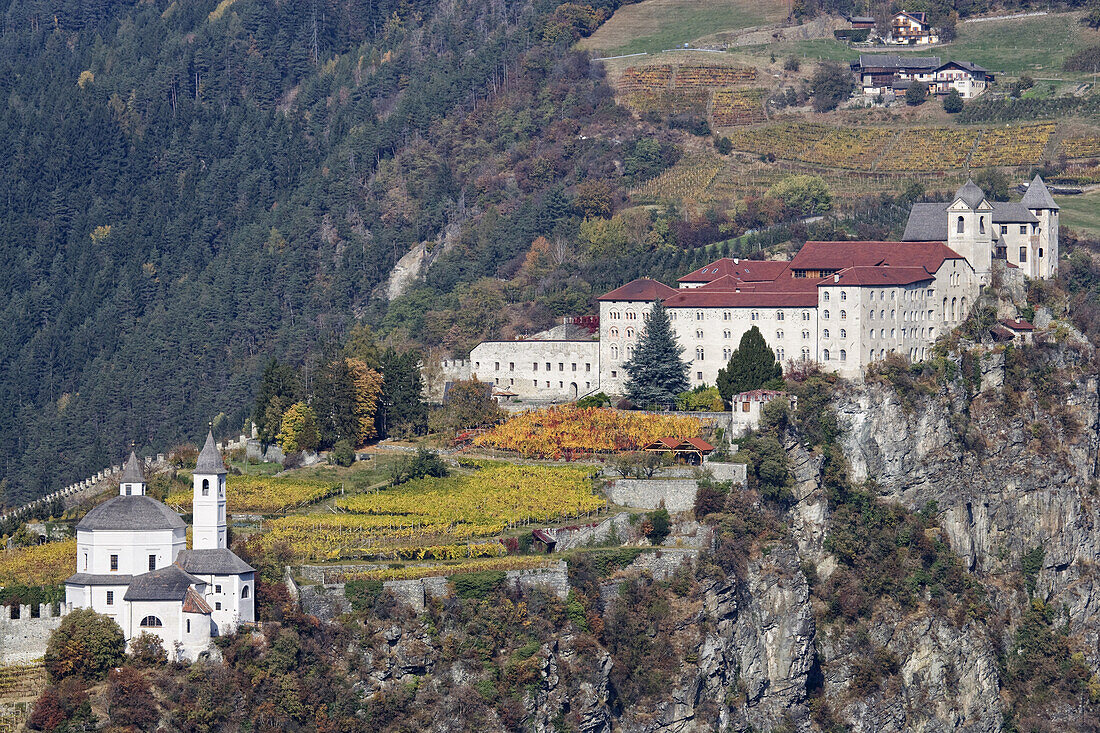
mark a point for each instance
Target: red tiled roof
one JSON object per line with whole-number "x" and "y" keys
{"x": 744, "y": 270}
{"x": 1018, "y": 325}
{"x": 705, "y": 298}
{"x": 700, "y": 444}
{"x": 885, "y": 275}
{"x": 679, "y": 443}
{"x": 194, "y": 603}
{"x": 839, "y": 255}
{"x": 641, "y": 289}
{"x": 758, "y": 394}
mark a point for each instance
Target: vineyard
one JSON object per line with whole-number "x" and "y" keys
{"x": 21, "y": 681}
{"x": 1080, "y": 147}
{"x": 1078, "y": 176}
{"x": 733, "y": 107}
{"x": 889, "y": 151}
{"x": 47, "y": 564}
{"x": 1010, "y": 145}
{"x": 557, "y": 432}
{"x": 669, "y": 101}
{"x": 687, "y": 181}
{"x": 514, "y": 562}
{"x": 262, "y": 494}
{"x": 436, "y": 518}
{"x": 691, "y": 89}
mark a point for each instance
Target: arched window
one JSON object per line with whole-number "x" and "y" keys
{"x": 843, "y": 333}
{"x": 981, "y": 225}
{"x": 954, "y": 304}
{"x": 698, "y": 334}
{"x": 206, "y": 487}
{"x": 826, "y": 296}
{"x": 843, "y": 355}
{"x": 629, "y": 352}
{"x": 725, "y": 334}
{"x": 779, "y": 314}
{"x": 151, "y": 622}
{"x": 805, "y": 315}
{"x": 698, "y": 315}
{"x": 962, "y": 309}
{"x": 825, "y": 355}
{"x": 615, "y": 314}
{"x": 754, "y": 316}
{"x": 825, "y": 314}
{"x": 614, "y": 352}
{"x": 870, "y": 315}
{"x": 843, "y": 295}
{"x": 779, "y": 334}
{"x": 893, "y": 313}
{"x": 630, "y": 333}
{"x": 882, "y": 315}
{"x": 244, "y": 592}
{"x": 825, "y": 333}
{"x": 699, "y": 353}
{"x": 960, "y": 226}
{"x": 805, "y": 334}
{"x": 843, "y": 315}
{"x": 613, "y": 333}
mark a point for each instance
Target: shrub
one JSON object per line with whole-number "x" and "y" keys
{"x": 1030, "y": 565}
{"x": 708, "y": 500}
{"x": 147, "y": 650}
{"x": 594, "y": 400}
{"x": 65, "y": 702}
{"x": 832, "y": 84}
{"x": 953, "y": 102}
{"x": 130, "y": 700}
{"x": 916, "y": 94}
{"x": 791, "y": 63}
{"x": 659, "y": 521}
{"x": 478, "y": 584}
{"x": 362, "y": 594}
{"x": 723, "y": 145}
{"x": 342, "y": 453}
{"x": 86, "y": 644}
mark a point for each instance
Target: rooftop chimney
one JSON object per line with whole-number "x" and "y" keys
{"x": 736, "y": 260}
{"x": 836, "y": 277}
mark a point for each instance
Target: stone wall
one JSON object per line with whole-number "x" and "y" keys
{"x": 24, "y": 639}
{"x": 677, "y": 494}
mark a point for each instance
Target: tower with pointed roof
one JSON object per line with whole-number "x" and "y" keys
{"x": 132, "y": 480}
{"x": 208, "y": 507}
{"x": 1043, "y": 242}
{"x": 970, "y": 228}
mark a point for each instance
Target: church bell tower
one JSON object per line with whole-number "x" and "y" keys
{"x": 208, "y": 505}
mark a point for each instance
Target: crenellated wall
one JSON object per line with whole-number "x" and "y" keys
{"x": 24, "y": 639}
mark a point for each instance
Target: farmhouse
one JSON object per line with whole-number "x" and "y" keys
{"x": 133, "y": 566}
{"x": 841, "y": 305}
{"x": 911, "y": 29}
{"x": 884, "y": 73}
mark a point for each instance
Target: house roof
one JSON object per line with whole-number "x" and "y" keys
{"x": 210, "y": 458}
{"x": 965, "y": 66}
{"x": 1017, "y": 325}
{"x": 194, "y": 603}
{"x": 132, "y": 472}
{"x": 680, "y": 444}
{"x": 884, "y": 275}
{"x": 141, "y": 513}
{"x": 641, "y": 289}
{"x": 894, "y": 61}
{"x": 98, "y": 579}
{"x": 1037, "y": 196}
{"x": 840, "y": 255}
{"x": 861, "y": 19}
{"x": 220, "y": 561}
{"x": 919, "y": 17}
{"x": 745, "y": 270}
{"x": 169, "y": 583}
{"x": 1005, "y": 213}
{"x": 758, "y": 394}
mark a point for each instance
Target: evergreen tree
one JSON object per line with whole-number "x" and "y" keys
{"x": 278, "y": 391}
{"x": 656, "y": 373}
{"x": 752, "y": 366}
{"x": 401, "y": 409}
{"x": 953, "y": 102}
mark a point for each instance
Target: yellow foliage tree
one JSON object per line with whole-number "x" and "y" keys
{"x": 298, "y": 430}
{"x": 368, "y": 388}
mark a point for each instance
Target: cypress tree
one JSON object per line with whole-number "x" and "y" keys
{"x": 656, "y": 373}
{"x": 752, "y": 366}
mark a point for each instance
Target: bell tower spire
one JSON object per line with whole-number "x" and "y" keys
{"x": 208, "y": 504}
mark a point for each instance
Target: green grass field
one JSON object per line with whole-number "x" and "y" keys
{"x": 654, "y": 25}
{"x": 1081, "y": 213}
{"x": 1035, "y": 46}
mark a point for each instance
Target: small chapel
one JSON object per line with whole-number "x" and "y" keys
{"x": 133, "y": 565}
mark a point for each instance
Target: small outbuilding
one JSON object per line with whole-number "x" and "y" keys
{"x": 683, "y": 450}
{"x": 748, "y": 407}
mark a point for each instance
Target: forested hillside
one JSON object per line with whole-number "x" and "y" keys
{"x": 192, "y": 187}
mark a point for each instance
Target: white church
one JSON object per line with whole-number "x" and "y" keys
{"x": 133, "y": 565}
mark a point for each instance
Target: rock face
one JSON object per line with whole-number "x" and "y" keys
{"x": 1029, "y": 483}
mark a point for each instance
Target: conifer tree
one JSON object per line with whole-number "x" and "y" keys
{"x": 752, "y": 366}
{"x": 656, "y": 373}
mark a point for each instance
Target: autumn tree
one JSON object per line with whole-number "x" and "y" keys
{"x": 130, "y": 700}
{"x": 594, "y": 198}
{"x": 298, "y": 431}
{"x": 86, "y": 644}
{"x": 366, "y": 390}
{"x": 656, "y": 373}
{"x": 468, "y": 404}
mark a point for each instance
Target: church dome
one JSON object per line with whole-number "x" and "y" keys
{"x": 142, "y": 513}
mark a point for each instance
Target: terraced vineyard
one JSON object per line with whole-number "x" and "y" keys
{"x": 693, "y": 101}
{"x": 263, "y": 494}
{"x": 1011, "y": 145}
{"x": 712, "y": 77}
{"x": 21, "y": 681}
{"x": 734, "y": 107}
{"x": 687, "y": 181}
{"x": 915, "y": 150}
{"x": 47, "y": 564}
{"x": 1080, "y": 147}
{"x": 514, "y": 562}
{"x": 928, "y": 148}
{"x": 645, "y": 79}
{"x": 441, "y": 519}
